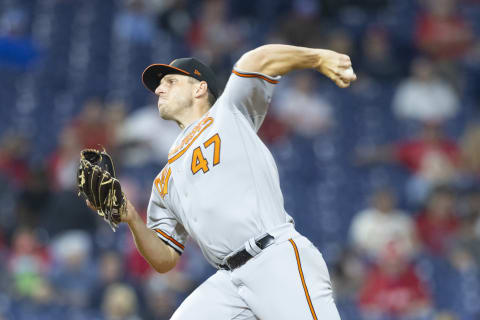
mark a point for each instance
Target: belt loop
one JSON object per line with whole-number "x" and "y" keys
{"x": 252, "y": 247}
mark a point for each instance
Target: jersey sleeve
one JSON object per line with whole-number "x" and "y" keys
{"x": 161, "y": 220}
{"x": 250, "y": 93}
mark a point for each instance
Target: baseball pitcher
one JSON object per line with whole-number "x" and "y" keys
{"x": 221, "y": 187}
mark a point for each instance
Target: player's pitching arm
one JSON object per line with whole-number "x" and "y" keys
{"x": 159, "y": 255}
{"x": 279, "y": 59}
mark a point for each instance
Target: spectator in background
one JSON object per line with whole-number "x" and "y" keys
{"x": 110, "y": 271}
{"x": 394, "y": 290}
{"x": 27, "y": 262}
{"x": 431, "y": 158}
{"x": 72, "y": 274}
{"x": 163, "y": 295}
{"x": 441, "y": 31}
{"x": 438, "y": 223}
{"x": 120, "y": 303}
{"x": 443, "y": 34}
{"x": 348, "y": 275}
{"x": 375, "y": 228}
{"x": 42, "y": 304}
{"x": 302, "y": 109}
{"x": 378, "y": 60}
{"x": 425, "y": 97}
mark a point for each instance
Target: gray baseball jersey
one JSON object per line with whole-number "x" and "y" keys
{"x": 221, "y": 187}
{"x": 221, "y": 184}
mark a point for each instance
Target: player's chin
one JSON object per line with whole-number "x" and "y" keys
{"x": 162, "y": 108}
{"x": 163, "y": 111}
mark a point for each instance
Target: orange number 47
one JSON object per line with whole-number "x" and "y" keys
{"x": 198, "y": 160}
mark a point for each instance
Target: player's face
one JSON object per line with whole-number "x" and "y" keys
{"x": 174, "y": 96}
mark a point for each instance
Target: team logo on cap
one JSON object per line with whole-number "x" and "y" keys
{"x": 197, "y": 72}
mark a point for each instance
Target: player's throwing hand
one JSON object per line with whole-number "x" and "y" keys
{"x": 337, "y": 67}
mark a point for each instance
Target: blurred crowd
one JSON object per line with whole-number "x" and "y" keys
{"x": 406, "y": 169}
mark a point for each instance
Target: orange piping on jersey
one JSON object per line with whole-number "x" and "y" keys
{"x": 178, "y": 244}
{"x": 250, "y": 75}
{"x": 189, "y": 139}
{"x": 307, "y": 295}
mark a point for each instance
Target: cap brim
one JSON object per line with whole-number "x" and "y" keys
{"x": 152, "y": 75}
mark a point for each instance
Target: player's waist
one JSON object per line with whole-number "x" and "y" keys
{"x": 256, "y": 245}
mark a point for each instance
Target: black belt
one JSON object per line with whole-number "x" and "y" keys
{"x": 242, "y": 256}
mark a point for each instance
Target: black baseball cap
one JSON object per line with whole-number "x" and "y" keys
{"x": 191, "y": 67}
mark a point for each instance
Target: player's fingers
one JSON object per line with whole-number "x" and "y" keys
{"x": 341, "y": 80}
{"x": 343, "y": 57}
{"x": 345, "y": 64}
{"x": 341, "y": 83}
{"x": 348, "y": 76}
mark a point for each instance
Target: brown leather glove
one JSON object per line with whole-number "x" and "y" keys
{"x": 97, "y": 184}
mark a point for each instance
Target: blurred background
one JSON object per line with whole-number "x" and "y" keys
{"x": 384, "y": 177}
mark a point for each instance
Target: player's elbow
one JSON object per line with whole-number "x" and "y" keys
{"x": 256, "y": 60}
{"x": 165, "y": 262}
{"x": 163, "y": 267}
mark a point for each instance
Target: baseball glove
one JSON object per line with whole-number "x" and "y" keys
{"x": 97, "y": 184}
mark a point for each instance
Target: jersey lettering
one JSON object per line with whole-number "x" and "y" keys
{"x": 216, "y": 151}
{"x": 189, "y": 139}
{"x": 198, "y": 159}
{"x": 161, "y": 182}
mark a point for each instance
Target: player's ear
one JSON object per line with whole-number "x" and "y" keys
{"x": 201, "y": 89}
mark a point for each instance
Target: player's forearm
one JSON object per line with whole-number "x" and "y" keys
{"x": 279, "y": 59}
{"x": 158, "y": 254}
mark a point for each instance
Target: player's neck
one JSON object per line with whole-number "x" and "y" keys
{"x": 193, "y": 114}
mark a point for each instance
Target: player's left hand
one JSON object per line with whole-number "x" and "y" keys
{"x": 99, "y": 186}
{"x": 337, "y": 67}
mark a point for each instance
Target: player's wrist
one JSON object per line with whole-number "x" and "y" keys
{"x": 323, "y": 55}
{"x": 320, "y": 57}
{"x": 131, "y": 216}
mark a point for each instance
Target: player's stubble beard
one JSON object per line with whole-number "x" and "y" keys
{"x": 173, "y": 109}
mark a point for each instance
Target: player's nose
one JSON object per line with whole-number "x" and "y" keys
{"x": 159, "y": 90}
